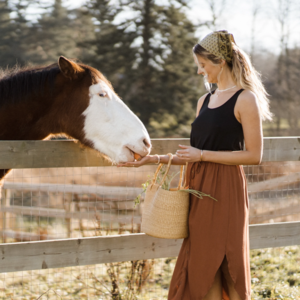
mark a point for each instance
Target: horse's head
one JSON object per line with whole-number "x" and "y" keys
{"x": 101, "y": 119}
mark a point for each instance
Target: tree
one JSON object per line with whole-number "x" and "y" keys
{"x": 179, "y": 87}
{"x": 6, "y": 28}
{"x": 53, "y": 35}
{"x": 256, "y": 7}
{"x": 14, "y": 33}
{"x": 149, "y": 60}
{"x": 111, "y": 44}
{"x": 216, "y": 7}
{"x": 284, "y": 97}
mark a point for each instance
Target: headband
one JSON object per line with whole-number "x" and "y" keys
{"x": 219, "y": 43}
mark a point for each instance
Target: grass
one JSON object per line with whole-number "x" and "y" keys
{"x": 275, "y": 273}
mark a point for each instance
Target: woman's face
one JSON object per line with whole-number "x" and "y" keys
{"x": 206, "y": 68}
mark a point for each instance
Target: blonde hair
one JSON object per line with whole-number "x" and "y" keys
{"x": 244, "y": 75}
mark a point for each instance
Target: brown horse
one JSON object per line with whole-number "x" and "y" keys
{"x": 70, "y": 98}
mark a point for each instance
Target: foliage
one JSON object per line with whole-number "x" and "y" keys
{"x": 167, "y": 184}
{"x": 138, "y": 198}
{"x": 54, "y": 36}
{"x": 14, "y": 34}
{"x": 285, "y": 90}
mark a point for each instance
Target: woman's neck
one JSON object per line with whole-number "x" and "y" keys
{"x": 226, "y": 81}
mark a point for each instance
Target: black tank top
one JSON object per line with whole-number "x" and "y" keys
{"x": 217, "y": 128}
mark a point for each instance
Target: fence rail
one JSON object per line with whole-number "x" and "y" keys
{"x": 95, "y": 250}
{"x": 55, "y": 154}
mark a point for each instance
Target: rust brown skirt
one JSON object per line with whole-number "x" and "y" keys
{"x": 216, "y": 229}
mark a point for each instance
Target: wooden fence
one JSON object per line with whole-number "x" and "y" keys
{"x": 96, "y": 250}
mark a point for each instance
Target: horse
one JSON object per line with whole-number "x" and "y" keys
{"x": 69, "y": 98}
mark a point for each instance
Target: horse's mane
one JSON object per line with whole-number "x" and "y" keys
{"x": 17, "y": 83}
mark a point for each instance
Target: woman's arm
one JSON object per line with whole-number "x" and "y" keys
{"x": 248, "y": 115}
{"x": 153, "y": 159}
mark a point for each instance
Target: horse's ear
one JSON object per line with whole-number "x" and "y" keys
{"x": 69, "y": 68}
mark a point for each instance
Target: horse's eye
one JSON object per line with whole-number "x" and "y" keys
{"x": 102, "y": 94}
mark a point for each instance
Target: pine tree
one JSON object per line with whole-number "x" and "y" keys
{"x": 84, "y": 31}
{"x": 180, "y": 87}
{"x": 149, "y": 60}
{"x": 113, "y": 55}
{"x": 13, "y": 34}
{"x": 6, "y": 29}
{"x": 167, "y": 88}
{"x": 54, "y": 36}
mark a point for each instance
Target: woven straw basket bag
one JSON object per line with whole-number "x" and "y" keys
{"x": 165, "y": 212}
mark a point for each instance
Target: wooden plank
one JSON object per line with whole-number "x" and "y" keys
{"x": 2, "y": 203}
{"x": 6, "y": 218}
{"x": 274, "y": 235}
{"x": 105, "y": 192}
{"x": 84, "y": 251}
{"x": 68, "y": 153}
{"x": 281, "y": 149}
{"x": 274, "y": 213}
{"x": 61, "y": 213}
{"x": 48, "y": 154}
{"x": 97, "y": 250}
{"x": 274, "y": 183}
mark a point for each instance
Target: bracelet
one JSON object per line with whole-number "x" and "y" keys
{"x": 158, "y": 158}
{"x": 201, "y": 155}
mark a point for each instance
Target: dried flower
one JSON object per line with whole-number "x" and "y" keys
{"x": 166, "y": 186}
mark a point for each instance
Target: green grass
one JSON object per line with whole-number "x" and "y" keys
{"x": 275, "y": 273}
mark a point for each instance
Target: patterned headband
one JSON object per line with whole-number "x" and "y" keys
{"x": 219, "y": 43}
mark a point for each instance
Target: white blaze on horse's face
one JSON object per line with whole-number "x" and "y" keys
{"x": 112, "y": 127}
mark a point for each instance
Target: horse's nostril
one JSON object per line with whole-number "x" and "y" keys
{"x": 146, "y": 143}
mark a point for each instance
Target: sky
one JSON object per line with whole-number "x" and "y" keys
{"x": 236, "y": 16}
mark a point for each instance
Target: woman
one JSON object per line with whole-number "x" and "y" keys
{"x": 213, "y": 262}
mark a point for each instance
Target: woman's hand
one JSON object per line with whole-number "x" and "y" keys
{"x": 148, "y": 159}
{"x": 189, "y": 154}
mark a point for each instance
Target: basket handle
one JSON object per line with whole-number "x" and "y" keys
{"x": 181, "y": 183}
{"x": 166, "y": 173}
{"x": 181, "y": 178}
{"x": 184, "y": 183}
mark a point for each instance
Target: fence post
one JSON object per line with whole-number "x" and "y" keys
{"x": 1, "y": 204}
{"x": 5, "y": 202}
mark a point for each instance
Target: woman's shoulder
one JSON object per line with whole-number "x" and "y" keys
{"x": 200, "y": 102}
{"x": 247, "y": 102}
{"x": 247, "y": 95}
{"x": 247, "y": 98}
{"x": 202, "y": 98}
